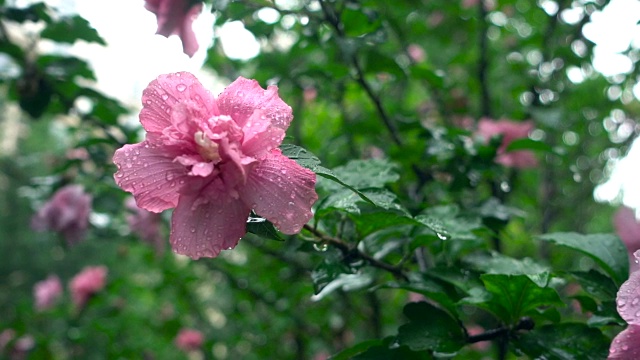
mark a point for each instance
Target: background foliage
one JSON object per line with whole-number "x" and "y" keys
{"x": 421, "y": 246}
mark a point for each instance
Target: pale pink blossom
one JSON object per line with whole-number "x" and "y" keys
{"x": 510, "y": 131}
{"x": 85, "y": 284}
{"x": 175, "y": 17}
{"x": 47, "y": 292}
{"x": 626, "y": 345}
{"x": 67, "y": 213}
{"x": 189, "y": 339}
{"x": 416, "y": 53}
{"x": 215, "y": 160}
{"x": 145, "y": 224}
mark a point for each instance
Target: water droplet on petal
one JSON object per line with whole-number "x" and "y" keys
{"x": 193, "y": 229}
{"x": 119, "y": 174}
{"x": 635, "y": 301}
{"x": 181, "y": 87}
{"x": 165, "y": 96}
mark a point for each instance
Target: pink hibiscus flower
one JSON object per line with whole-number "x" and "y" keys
{"x": 67, "y": 213}
{"x": 510, "y": 131}
{"x": 626, "y": 345}
{"x": 175, "y": 17}
{"x": 189, "y": 339}
{"x": 215, "y": 160}
{"x": 89, "y": 281}
{"x": 47, "y": 292}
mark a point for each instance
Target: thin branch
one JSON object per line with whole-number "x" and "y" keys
{"x": 334, "y": 20}
{"x": 355, "y": 253}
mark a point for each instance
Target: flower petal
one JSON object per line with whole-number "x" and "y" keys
{"x": 240, "y": 99}
{"x": 150, "y": 174}
{"x": 626, "y": 345}
{"x": 260, "y": 137}
{"x": 162, "y": 95}
{"x": 204, "y": 228}
{"x": 628, "y": 299}
{"x": 187, "y": 35}
{"x": 282, "y": 191}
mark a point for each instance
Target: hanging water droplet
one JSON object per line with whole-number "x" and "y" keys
{"x": 442, "y": 236}
{"x": 322, "y": 247}
{"x": 504, "y": 186}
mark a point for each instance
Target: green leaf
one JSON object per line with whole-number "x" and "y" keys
{"x": 529, "y": 144}
{"x": 362, "y": 174}
{"x": 425, "y": 72}
{"x": 429, "y": 288}
{"x": 65, "y": 67}
{"x": 263, "y": 228}
{"x": 430, "y": 328}
{"x": 33, "y": 13}
{"x": 348, "y": 201}
{"x": 607, "y": 250}
{"x": 596, "y": 284}
{"x": 71, "y": 29}
{"x": 358, "y": 22}
{"x": 446, "y": 222}
{"x": 380, "y": 350}
{"x": 514, "y": 296}
{"x": 496, "y": 263}
{"x": 566, "y": 341}
{"x": 307, "y": 160}
{"x": 345, "y": 282}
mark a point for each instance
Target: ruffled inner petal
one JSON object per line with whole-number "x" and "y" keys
{"x": 240, "y": 99}
{"x": 282, "y": 191}
{"x": 150, "y": 174}
{"x": 204, "y": 228}
{"x": 260, "y": 137}
{"x": 163, "y": 94}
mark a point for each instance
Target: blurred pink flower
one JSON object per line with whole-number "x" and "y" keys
{"x": 6, "y": 336}
{"x": 145, "y": 224}
{"x": 67, "y": 212}
{"x": 510, "y": 131}
{"x": 628, "y": 229}
{"x": 626, "y": 345}
{"x": 416, "y": 53}
{"x": 89, "y": 281}
{"x": 175, "y": 17}
{"x": 214, "y": 160}
{"x": 47, "y": 292}
{"x": 466, "y": 4}
{"x": 189, "y": 339}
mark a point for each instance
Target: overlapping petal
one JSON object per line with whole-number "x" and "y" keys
{"x": 150, "y": 174}
{"x": 281, "y": 191}
{"x": 626, "y": 345}
{"x": 240, "y": 99}
{"x": 176, "y": 17}
{"x": 203, "y": 227}
{"x": 163, "y": 94}
{"x": 628, "y": 298}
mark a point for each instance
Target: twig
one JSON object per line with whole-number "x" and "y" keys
{"x": 334, "y": 20}
{"x": 355, "y": 253}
